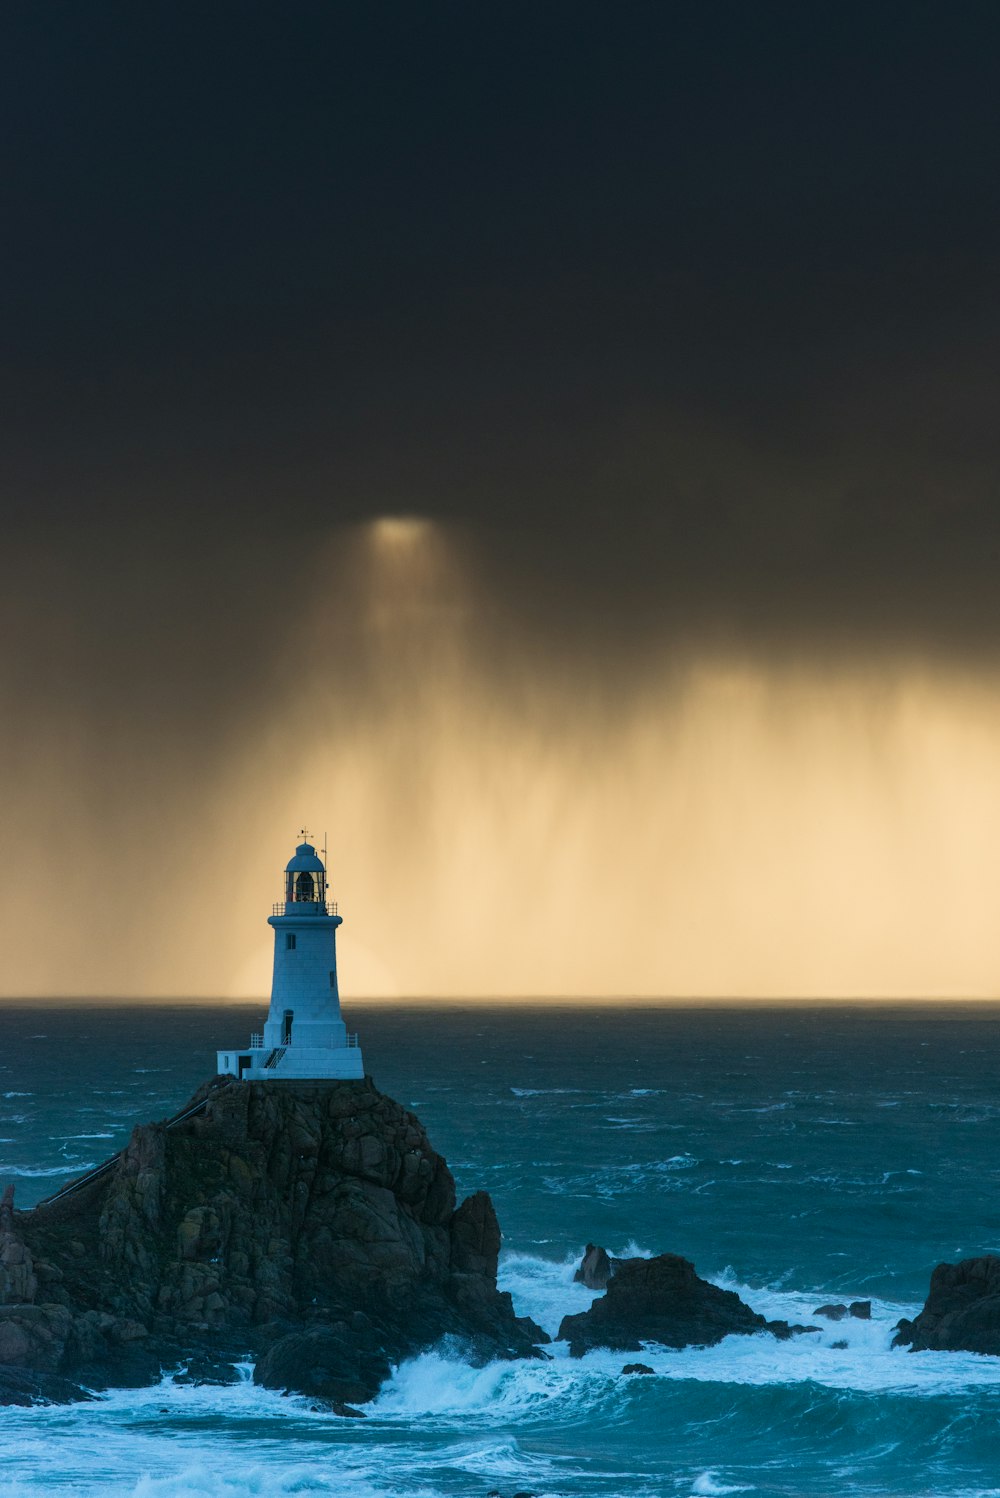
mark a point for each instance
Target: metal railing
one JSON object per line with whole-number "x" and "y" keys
{"x": 256, "y": 1042}
{"x": 293, "y": 907}
{"x": 106, "y": 1165}
{"x": 352, "y": 1040}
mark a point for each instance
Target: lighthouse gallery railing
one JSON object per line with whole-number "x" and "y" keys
{"x": 304, "y": 907}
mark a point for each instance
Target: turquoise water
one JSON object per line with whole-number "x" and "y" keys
{"x": 796, "y": 1153}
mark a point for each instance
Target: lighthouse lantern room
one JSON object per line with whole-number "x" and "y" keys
{"x": 305, "y": 1038}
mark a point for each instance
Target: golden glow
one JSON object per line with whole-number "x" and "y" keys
{"x": 502, "y": 823}
{"x": 400, "y": 532}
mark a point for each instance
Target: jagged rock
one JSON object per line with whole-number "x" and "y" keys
{"x": 596, "y": 1268}
{"x": 861, "y": 1310}
{"x": 279, "y": 1216}
{"x": 34, "y": 1337}
{"x": 962, "y": 1310}
{"x": 658, "y": 1300}
{"x": 18, "y": 1280}
{"x": 633, "y": 1368}
{"x": 831, "y": 1312}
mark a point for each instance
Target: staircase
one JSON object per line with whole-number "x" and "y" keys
{"x": 274, "y": 1058}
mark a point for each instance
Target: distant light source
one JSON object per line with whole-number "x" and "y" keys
{"x": 398, "y": 531}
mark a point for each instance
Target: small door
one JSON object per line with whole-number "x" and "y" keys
{"x": 286, "y": 1027}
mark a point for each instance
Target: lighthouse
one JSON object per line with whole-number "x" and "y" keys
{"x": 305, "y": 1038}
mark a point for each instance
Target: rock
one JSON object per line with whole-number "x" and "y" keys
{"x": 475, "y": 1237}
{"x": 34, "y": 1337}
{"x": 861, "y": 1310}
{"x": 19, "y": 1386}
{"x": 596, "y": 1268}
{"x": 18, "y": 1281}
{"x": 904, "y": 1333}
{"x": 214, "y": 1372}
{"x": 840, "y": 1345}
{"x": 327, "y": 1363}
{"x": 105, "y": 1351}
{"x": 310, "y": 1225}
{"x": 962, "y": 1310}
{"x": 782, "y": 1331}
{"x": 631, "y": 1368}
{"x": 658, "y": 1300}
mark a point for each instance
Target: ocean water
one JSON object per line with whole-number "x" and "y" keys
{"x": 797, "y": 1154}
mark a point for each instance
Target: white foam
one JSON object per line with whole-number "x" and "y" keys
{"x": 544, "y": 1289}
{"x": 707, "y": 1483}
{"x": 27, "y": 1172}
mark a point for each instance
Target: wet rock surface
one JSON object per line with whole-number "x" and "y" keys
{"x": 595, "y": 1269}
{"x": 861, "y": 1310}
{"x": 311, "y": 1226}
{"x": 962, "y": 1310}
{"x": 663, "y": 1300}
{"x": 658, "y": 1300}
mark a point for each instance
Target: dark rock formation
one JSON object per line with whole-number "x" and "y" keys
{"x": 782, "y": 1330}
{"x": 596, "y": 1268}
{"x": 309, "y": 1224}
{"x": 633, "y": 1368}
{"x": 22, "y": 1387}
{"x": 658, "y": 1300}
{"x": 962, "y": 1310}
{"x": 860, "y": 1309}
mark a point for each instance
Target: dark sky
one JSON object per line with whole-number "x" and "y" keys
{"x": 689, "y": 308}
{"x": 677, "y": 322}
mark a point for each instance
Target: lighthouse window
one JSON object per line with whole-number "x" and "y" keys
{"x": 290, "y": 941}
{"x": 333, "y": 980}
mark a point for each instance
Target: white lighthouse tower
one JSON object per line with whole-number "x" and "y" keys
{"x": 304, "y": 1038}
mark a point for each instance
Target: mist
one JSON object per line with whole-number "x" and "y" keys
{"x": 624, "y": 808}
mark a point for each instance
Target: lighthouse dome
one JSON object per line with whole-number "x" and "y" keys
{"x": 306, "y": 861}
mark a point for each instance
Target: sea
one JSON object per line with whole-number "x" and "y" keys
{"x": 797, "y": 1153}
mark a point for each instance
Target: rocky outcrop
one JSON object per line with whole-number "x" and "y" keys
{"x": 658, "y": 1300}
{"x": 309, "y": 1224}
{"x": 962, "y": 1310}
{"x": 595, "y": 1269}
{"x": 861, "y": 1310}
{"x": 663, "y": 1300}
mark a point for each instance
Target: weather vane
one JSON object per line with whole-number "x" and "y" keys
{"x": 304, "y": 834}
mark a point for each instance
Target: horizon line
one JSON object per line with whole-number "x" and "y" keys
{"x": 581, "y": 1000}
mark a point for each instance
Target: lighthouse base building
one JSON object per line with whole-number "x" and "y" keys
{"x": 304, "y": 1037}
